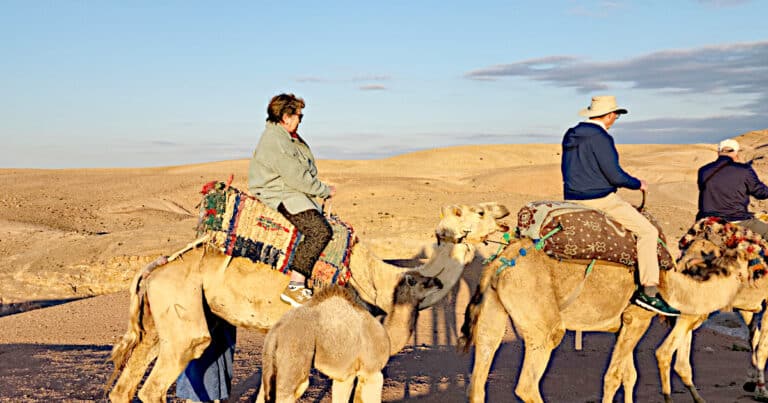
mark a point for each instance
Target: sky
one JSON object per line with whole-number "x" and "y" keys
{"x": 145, "y": 83}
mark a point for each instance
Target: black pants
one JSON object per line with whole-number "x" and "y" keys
{"x": 317, "y": 233}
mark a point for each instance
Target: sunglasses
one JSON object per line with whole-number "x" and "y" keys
{"x": 301, "y": 116}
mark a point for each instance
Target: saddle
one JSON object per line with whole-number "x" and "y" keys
{"x": 570, "y": 231}
{"x": 726, "y": 235}
{"x": 241, "y": 226}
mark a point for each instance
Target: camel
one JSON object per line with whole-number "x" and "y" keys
{"x": 748, "y": 301}
{"x": 166, "y": 320}
{"x": 340, "y": 338}
{"x": 545, "y": 297}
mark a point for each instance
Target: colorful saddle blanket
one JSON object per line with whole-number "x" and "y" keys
{"x": 242, "y": 226}
{"x": 578, "y": 232}
{"x": 727, "y": 235}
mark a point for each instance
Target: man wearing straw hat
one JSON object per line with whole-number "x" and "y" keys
{"x": 591, "y": 176}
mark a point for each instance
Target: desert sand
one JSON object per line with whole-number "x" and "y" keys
{"x": 71, "y": 240}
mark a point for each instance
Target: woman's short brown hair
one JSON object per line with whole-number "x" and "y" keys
{"x": 283, "y": 104}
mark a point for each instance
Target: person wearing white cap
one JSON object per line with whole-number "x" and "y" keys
{"x": 591, "y": 176}
{"x": 725, "y": 186}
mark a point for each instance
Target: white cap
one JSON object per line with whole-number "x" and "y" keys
{"x": 728, "y": 144}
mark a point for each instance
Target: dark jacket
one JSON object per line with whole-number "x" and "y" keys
{"x": 590, "y": 164}
{"x": 724, "y": 189}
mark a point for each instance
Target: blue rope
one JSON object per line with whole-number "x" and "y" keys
{"x": 509, "y": 262}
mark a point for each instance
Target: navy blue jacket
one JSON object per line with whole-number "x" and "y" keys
{"x": 724, "y": 189}
{"x": 590, "y": 164}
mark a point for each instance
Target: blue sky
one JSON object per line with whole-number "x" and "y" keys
{"x": 146, "y": 83}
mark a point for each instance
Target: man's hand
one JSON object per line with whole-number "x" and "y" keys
{"x": 643, "y": 185}
{"x": 333, "y": 191}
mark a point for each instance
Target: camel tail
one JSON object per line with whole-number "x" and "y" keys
{"x": 471, "y": 315}
{"x": 121, "y": 352}
{"x": 467, "y": 338}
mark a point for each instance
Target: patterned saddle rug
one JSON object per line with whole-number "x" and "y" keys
{"x": 572, "y": 231}
{"x": 726, "y": 235}
{"x": 241, "y": 226}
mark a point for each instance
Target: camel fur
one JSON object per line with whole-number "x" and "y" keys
{"x": 337, "y": 336}
{"x": 545, "y": 297}
{"x": 167, "y": 322}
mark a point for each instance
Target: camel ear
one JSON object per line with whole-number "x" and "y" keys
{"x": 496, "y": 210}
{"x": 456, "y": 210}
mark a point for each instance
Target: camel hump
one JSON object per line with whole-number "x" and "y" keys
{"x": 572, "y": 231}
{"x": 713, "y": 247}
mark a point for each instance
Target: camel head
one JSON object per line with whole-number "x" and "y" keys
{"x": 703, "y": 259}
{"x": 414, "y": 288}
{"x": 471, "y": 224}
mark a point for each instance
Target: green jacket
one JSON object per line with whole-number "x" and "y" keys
{"x": 283, "y": 170}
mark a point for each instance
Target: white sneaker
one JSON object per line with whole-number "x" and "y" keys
{"x": 296, "y": 295}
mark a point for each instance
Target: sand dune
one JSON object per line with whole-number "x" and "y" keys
{"x": 82, "y": 232}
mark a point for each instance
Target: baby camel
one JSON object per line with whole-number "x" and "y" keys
{"x": 343, "y": 341}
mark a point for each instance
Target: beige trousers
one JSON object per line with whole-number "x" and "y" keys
{"x": 647, "y": 235}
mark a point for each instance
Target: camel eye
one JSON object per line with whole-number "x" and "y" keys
{"x": 481, "y": 213}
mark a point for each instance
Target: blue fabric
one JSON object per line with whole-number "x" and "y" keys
{"x": 590, "y": 164}
{"x": 725, "y": 187}
{"x": 210, "y": 376}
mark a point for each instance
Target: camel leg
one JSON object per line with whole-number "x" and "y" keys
{"x": 342, "y": 389}
{"x": 683, "y": 363}
{"x": 133, "y": 372}
{"x": 171, "y": 361}
{"x": 491, "y": 322}
{"x": 260, "y": 396}
{"x": 667, "y": 348}
{"x": 538, "y": 350}
{"x": 759, "y": 357}
{"x": 369, "y": 388}
{"x": 182, "y": 331}
{"x": 542, "y": 330}
{"x": 621, "y": 370}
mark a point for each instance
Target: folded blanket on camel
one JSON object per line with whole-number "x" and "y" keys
{"x": 241, "y": 226}
{"x": 726, "y": 235}
{"x": 571, "y": 231}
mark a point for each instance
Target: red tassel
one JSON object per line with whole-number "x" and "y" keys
{"x": 208, "y": 187}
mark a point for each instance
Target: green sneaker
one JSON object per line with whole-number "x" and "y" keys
{"x": 654, "y": 304}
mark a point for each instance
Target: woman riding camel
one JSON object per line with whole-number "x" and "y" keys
{"x": 591, "y": 176}
{"x": 283, "y": 175}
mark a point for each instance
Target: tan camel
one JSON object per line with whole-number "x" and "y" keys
{"x": 336, "y": 335}
{"x": 748, "y": 301}
{"x": 166, "y": 320}
{"x": 545, "y": 297}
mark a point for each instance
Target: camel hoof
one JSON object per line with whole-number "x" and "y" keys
{"x": 749, "y": 386}
{"x": 668, "y": 398}
{"x": 761, "y": 395}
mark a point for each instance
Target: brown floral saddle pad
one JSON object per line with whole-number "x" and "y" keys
{"x": 241, "y": 226}
{"x": 725, "y": 235}
{"x": 571, "y": 231}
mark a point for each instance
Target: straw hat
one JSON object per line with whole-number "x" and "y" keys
{"x": 728, "y": 144}
{"x": 602, "y": 105}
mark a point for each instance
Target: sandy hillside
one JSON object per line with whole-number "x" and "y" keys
{"x": 69, "y": 234}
